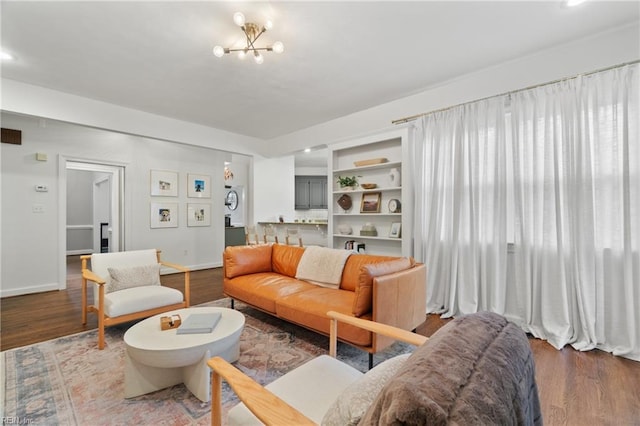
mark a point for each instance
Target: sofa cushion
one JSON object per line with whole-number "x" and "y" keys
{"x": 138, "y": 299}
{"x": 309, "y": 308}
{"x": 477, "y": 369}
{"x": 353, "y": 402}
{"x": 362, "y": 301}
{"x": 132, "y": 276}
{"x": 326, "y": 375}
{"x": 285, "y": 259}
{"x": 243, "y": 260}
{"x": 262, "y": 290}
{"x": 351, "y": 271}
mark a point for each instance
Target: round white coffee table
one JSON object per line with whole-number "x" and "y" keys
{"x": 156, "y": 359}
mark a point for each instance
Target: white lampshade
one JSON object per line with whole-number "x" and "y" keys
{"x": 278, "y": 47}
{"x": 238, "y": 18}
{"x": 258, "y": 58}
{"x": 218, "y": 51}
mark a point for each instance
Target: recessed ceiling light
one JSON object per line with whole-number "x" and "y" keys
{"x": 6, "y": 56}
{"x": 571, "y": 3}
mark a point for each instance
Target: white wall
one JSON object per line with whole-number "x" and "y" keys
{"x": 274, "y": 188}
{"x": 31, "y": 249}
{"x": 599, "y": 51}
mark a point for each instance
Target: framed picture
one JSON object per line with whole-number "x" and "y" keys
{"x": 396, "y": 230}
{"x": 370, "y": 202}
{"x": 164, "y": 183}
{"x": 164, "y": 215}
{"x": 198, "y": 214}
{"x": 198, "y": 186}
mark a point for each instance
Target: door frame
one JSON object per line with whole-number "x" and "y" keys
{"x": 117, "y": 171}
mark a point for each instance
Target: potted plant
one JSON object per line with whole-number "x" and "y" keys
{"x": 347, "y": 182}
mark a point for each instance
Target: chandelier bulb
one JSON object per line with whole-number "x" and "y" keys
{"x": 242, "y": 54}
{"x": 278, "y": 47}
{"x": 268, "y": 25}
{"x": 258, "y": 58}
{"x": 238, "y": 18}
{"x": 218, "y": 51}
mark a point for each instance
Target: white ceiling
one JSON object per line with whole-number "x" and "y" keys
{"x": 340, "y": 57}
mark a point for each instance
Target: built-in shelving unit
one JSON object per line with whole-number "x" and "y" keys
{"x": 393, "y": 228}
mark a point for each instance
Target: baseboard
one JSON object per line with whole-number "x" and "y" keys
{"x": 165, "y": 271}
{"x": 29, "y": 290}
{"x": 79, "y": 252}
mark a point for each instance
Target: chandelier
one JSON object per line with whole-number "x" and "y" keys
{"x": 252, "y": 32}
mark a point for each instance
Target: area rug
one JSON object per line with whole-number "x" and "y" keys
{"x": 68, "y": 381}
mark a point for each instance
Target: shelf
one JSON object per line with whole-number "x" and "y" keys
{"x": 367, "y": 214}
{"x": 364, "y": 237}
{"x": 360, "y": 191}
{"x": 372, "y": 167}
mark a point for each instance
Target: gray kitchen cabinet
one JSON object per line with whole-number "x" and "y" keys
{"x": 311, "y": 192}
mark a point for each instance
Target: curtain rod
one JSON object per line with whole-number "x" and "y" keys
{"x": 416, "y": 116}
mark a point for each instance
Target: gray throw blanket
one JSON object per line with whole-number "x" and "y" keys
{"x": 476, "y": 370}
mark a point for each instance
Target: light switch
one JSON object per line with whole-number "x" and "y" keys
{"x": 41, "y": 156}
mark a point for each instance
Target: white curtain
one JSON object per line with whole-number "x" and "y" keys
{"x": 529, "y": 206}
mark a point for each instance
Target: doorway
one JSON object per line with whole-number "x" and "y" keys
{"x": 90, "y": 209}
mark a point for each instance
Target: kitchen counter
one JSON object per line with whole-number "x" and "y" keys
{"x": 292, "y": 223}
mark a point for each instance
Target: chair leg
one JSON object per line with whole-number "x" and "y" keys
{"x": 233, "y": 304}
{"x": 370, "y": 360}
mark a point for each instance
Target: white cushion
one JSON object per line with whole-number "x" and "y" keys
{"x": 310, "y": 388}
{"x": 138, "y": 299}
{"x": 122, "y": 259}
{"x": 133, "y": 276}
{"x": 350, "y": 405}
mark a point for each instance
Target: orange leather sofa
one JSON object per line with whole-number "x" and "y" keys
{"x": 384, "y": 289}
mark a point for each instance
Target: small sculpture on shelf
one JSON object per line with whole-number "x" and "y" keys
{"x": 345, "y": 202}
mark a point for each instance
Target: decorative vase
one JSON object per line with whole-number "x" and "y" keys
{"x": 394, "y": 177}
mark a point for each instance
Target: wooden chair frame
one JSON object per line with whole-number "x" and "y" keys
{"x": 105, "y": 320}
{"x": 267, "y": 407}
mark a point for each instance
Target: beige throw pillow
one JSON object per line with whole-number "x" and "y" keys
{"x": 133, "y": 276}
{"x": 355, "y": 400}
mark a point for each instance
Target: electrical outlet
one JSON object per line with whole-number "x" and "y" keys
{"x": 186, "y": 252}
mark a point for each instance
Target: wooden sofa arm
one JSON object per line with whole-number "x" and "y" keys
{"x": 269, "y": 408}
{"x": 175, "y": 266}
{"x": 266, "y": 406}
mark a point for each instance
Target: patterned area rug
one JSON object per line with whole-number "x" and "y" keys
{"x": 68, "y": 381}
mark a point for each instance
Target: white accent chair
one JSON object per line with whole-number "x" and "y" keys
{"x": 126, "y": 287}
{"x": 324, "y": 377}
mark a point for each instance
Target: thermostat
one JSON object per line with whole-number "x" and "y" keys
{"x": 42, "y": 188}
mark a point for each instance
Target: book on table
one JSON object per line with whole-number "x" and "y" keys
{"x": 199, "y": 323}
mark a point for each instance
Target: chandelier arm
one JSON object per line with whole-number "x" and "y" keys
{"x": 246, "y": 49}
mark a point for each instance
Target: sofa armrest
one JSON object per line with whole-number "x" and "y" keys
{"x": 393, "y": 333}
{"x": 187, "y": 279}
{"x": 399, "y": 300}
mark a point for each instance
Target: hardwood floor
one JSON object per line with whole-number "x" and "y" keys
{"x": 576, "y": 388}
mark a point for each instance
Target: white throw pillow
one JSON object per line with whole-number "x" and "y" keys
{"x": 351, "y": 404}
{"x": 133, "y": 276}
